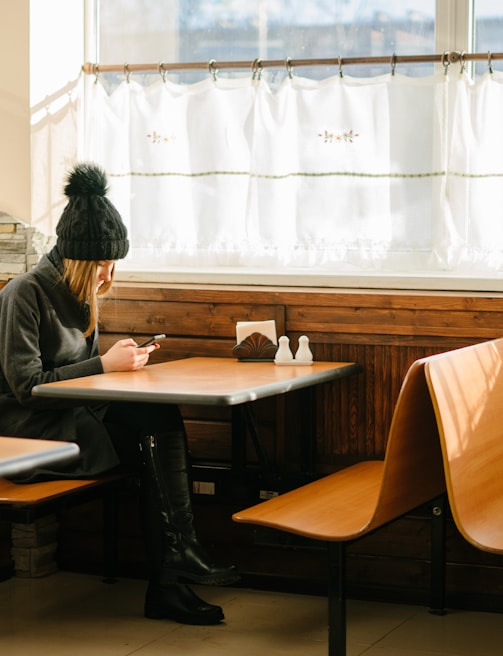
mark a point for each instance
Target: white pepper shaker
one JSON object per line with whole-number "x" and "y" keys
{"x": 304, "y": 352}
{"x": 283, "y": 354}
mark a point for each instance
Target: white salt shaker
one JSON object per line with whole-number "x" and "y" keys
{"x": 283, "y": 354}
{"x": 304, "y": 352}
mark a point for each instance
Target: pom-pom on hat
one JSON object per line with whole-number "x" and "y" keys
{"x": 90, "y": 227}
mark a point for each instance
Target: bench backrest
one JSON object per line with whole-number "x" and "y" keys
{"x": 467, "y": 390}
{"x": 413, "y": 471}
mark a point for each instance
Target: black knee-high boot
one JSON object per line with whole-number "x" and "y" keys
{"x": 174, "y": 601}
{"x": 183, "y": 558}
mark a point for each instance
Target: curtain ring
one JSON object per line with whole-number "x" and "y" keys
{"x": 162, "y": 71}
{"x": 213, "y": 70}
{"x": 393, "y": 63}
{"x": 96, "y": 71}
{"x": 341, "y": 74}
{"x": 445, "y": 61}
{"x": 257, "y": 69}
{"x": 490, "y": 62}
{"x": 289, "y": 67}
{"x": 127, "y": 72}
{"x": 462, "y": 65}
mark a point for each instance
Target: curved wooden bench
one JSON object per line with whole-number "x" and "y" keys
{"x": 466, "y": 386}
{"x": 354, "y": 501}
{"x": 24, "y": 503}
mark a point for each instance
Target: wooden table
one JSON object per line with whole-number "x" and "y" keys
{"x": 204, "y": 381}
{"x": 198, "y": 381}
{"x": 20, "y": 454}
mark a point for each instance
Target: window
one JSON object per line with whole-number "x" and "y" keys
{"x": 201, "y": 30}
{"x": 488, "y": 31}
{"x": 399, "y": 228}
{"x": 223, "y": 30}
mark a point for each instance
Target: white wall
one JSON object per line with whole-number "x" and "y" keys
{"x": 41, "y": 52}
{"x": 15, "y": 194}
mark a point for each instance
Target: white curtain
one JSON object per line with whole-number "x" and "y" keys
{"x": 386, "y": 174}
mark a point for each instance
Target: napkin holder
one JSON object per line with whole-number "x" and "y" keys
{"x": 255, "y": 348}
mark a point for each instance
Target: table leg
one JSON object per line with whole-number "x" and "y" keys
{"x": 308, "y": 431}
{"x": 244, "y": 423}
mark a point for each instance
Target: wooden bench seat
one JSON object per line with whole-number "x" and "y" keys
{"x": 467, "y": 390}
{"x": 354, "y": 501}
{"x": 25, "y": 503}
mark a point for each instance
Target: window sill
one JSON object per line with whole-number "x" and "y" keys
{"x": 310, "y": 278}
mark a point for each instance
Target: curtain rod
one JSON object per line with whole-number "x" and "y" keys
{"x": 445, "y": 58}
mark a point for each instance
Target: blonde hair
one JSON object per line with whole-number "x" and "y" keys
{"x": 80, "y": 276}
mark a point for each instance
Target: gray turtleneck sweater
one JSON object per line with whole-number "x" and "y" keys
{"x": 41, "y": 340}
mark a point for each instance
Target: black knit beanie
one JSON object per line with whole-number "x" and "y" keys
{"x": 90, "y": 227}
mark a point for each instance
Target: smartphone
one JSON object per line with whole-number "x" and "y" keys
{"x": 151, "y": 340}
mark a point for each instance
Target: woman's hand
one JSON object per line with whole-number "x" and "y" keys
{"x": 125, "y": 355}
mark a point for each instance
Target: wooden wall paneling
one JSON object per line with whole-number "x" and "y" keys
{"x": 206, "y": 320}
{"x": 293, "y": 458}
{"x": 352, "y": 408}
{"x": 399, "y": 322}
{"x": 175, "y": 348}
{"x": 209, "y": 440}
{"x": 336, "y": 410}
